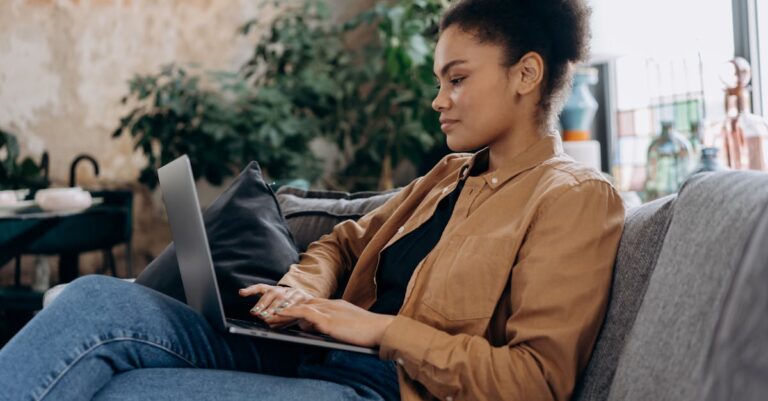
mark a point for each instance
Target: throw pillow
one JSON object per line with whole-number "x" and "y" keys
{"x": 249, "y": 240}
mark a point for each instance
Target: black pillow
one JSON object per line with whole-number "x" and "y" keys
{"x": 249, "y": 239}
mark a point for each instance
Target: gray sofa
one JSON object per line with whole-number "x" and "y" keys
{"x": 688, "y": 315}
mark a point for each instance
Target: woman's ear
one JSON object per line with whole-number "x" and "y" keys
{"x": 530, "y": 72}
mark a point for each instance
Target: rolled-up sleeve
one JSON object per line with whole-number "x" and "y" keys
{"x": 559, "y": 288}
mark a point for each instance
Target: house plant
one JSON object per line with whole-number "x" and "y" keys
{"x": 303, "y": 81}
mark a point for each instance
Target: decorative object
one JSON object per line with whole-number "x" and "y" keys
{"x": 709, "y": 161}
{"x": 669, "y": 162}
{"x": 8, "y": 198}
{"x": 63, "y": 199}
{"x": 579, "y": 111}
{"x": 742, "y": 136}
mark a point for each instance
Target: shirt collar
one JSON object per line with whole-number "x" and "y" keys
{"x": 544, "y": 149}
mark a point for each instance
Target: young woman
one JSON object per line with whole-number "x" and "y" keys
{"x": 485, "y": 279}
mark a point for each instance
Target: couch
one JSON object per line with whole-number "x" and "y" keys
{"x": 688, "y": 313}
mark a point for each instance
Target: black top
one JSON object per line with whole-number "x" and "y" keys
{"x": 399, "y": 260}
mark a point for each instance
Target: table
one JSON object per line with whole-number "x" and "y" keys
{"x": 67, "y": 234}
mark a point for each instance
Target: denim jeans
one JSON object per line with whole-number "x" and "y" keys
{"x": 106, "y": 339}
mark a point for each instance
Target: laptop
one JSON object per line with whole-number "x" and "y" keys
{"x": 196, "y": 265}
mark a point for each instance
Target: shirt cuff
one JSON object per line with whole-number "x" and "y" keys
{"x": 406, "y": 341}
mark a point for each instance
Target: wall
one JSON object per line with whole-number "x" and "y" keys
{"x": 64, "y": 66}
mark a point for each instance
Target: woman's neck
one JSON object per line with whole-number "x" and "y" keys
{"x": 510, "y": 146}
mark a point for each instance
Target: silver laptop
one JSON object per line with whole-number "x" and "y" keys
{"x": 196, "y": 266}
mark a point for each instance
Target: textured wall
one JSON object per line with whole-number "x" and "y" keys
{"x": 64, "y": 66}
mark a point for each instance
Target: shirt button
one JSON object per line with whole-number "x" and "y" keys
{"x": 400, "y": 361}
{"x": 494, "y": 180}
{"x": 449, "y": 398}
{"x": 401, "y": 229}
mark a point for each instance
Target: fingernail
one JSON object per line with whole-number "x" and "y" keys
{"x": 264, "y": 313}
{"x": 256, "y": 309}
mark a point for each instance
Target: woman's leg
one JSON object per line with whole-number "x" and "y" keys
{"x": 219, "y": 385}
{"x": 101, "y": 326}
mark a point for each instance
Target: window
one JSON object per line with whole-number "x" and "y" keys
{"x": 666, "y": 57}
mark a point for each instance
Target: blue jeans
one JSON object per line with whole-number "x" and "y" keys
{"x": 106, "y": 339}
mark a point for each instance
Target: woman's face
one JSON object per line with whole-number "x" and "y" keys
{"x": 477, "y": 96}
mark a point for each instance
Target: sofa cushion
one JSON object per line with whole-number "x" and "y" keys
{"x": 249, "y": 240}
{"x": 736, "y": 365}
{"x": 713, "y": 219}
{"x": 311, "y": 214}
{"x": 639, "y": 248}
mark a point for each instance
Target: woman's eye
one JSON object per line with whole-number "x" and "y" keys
{"x": 454, "y": 82}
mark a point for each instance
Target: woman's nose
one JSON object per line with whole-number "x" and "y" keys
{"x": 441, "y": 101}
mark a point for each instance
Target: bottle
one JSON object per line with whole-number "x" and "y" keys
{"x": 708, "y": 162}
{"x": 669, "y": 162}
{"x": 742, "y": 136}
{"x": 695, "y": 137}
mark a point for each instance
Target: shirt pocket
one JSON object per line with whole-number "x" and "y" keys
{"x": 468, "y": 279}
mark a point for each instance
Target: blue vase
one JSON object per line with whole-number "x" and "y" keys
{"x": 580, "y": 109}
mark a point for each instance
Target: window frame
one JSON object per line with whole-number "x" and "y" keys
{"x": 747, "y": 45}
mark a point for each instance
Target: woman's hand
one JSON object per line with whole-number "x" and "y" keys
{"x": 273, "y": 299}
{"x": 340, "y": 320}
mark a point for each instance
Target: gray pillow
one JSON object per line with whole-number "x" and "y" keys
{"x": 250, "y": 243}
{"x": 311, "y": 214}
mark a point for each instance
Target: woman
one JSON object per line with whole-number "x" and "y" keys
{"x": 486, "y": 279}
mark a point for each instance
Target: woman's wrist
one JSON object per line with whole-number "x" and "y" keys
{"x": 383, "y": 322}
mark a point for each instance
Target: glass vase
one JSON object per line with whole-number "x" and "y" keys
{"x": 669, "y": 163}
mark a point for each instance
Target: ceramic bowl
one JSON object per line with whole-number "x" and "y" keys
{"x": 63, "y": 199}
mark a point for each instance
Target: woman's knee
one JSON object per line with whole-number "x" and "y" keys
{"x": 94, "y": 285}
{"x": 99, "y": 292}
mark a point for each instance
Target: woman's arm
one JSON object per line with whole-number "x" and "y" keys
{"x": 559, "y": 285}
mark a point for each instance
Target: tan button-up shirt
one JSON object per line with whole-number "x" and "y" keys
{"x": 508, "y": 304}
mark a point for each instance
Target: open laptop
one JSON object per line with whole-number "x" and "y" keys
{"x": 196, "y": 265}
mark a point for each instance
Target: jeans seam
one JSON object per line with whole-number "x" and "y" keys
{"x": 99, "y": 344}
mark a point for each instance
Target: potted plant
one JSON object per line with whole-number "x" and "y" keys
{"x": 302, "y": 82}
{"x": 24, "y": 174}
{"x": 372, "y": 101}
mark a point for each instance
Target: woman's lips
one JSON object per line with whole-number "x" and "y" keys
{"x": 446, "y": 125}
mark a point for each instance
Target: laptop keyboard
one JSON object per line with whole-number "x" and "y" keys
{"x": 249, "y": 323}
{"x": 293, "y": 329}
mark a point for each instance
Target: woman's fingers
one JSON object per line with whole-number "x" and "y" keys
{"x": 254, "y": 290}
{"x": 307, "y": 317}
{"x": 273, "y": 300}
{"x": 270, "y": 297}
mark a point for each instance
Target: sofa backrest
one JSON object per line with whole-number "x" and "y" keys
{"x": 311, "y": 214}
{"x": 644, "y": 230}
{"x": 713, "y": 218}
{"x": 736, "y": 365}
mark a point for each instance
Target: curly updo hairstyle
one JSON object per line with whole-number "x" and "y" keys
{"x": 558, "y": 30}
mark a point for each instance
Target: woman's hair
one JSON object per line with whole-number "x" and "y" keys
{"x": 558, "y": 30}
